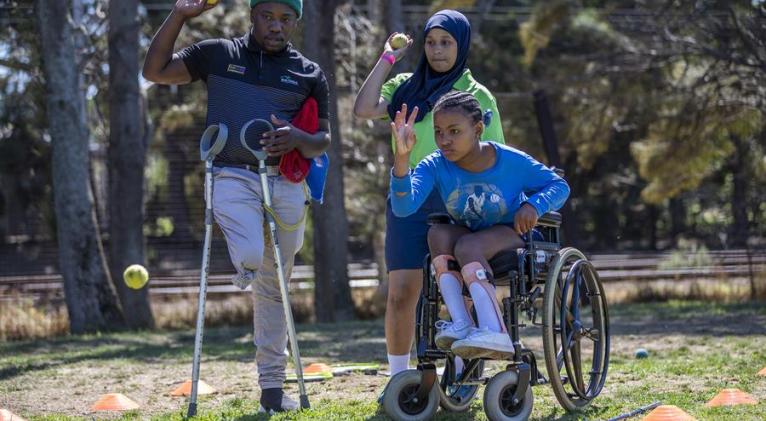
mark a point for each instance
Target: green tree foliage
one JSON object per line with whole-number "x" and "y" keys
{"x": 681, "y": 85}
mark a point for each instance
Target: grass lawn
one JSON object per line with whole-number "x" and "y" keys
{"x": 696, "y": 349}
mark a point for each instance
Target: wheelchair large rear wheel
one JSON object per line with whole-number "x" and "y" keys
{"x": 575, "y": 330}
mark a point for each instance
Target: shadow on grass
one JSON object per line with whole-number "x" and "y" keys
{"x": 689, "y": 318}
{"x": 352, "y": 342}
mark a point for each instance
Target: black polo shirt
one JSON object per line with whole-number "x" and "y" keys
{"x": 246, "y": 82}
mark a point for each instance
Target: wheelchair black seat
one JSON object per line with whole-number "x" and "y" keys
{"x": 503, "y": 263}
{"x": 550, "y": 219}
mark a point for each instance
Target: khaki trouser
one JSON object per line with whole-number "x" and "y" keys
{"x": 238, "y": 210}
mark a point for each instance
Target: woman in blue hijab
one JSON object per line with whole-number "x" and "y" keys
{"x": 442, "y": 68}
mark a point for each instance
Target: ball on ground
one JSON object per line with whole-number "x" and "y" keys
{"x": 642, "y": 353}
{"x": 399, "y": 41}
{"x": 135, "y": 276}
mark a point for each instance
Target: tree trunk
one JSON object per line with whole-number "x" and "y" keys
{"x": 545, "y": 124}
{"x": 739, "y": 169}
{"x": 175, "y": 152}
{"x": 374, "y": 10}
{"x": 91, "y": 301}
{"x": 126, "y": 160}
{"x": 677, "y": 217}
{"x": 652, "y": 214}
{"x": 482, "y": 7}
{"x": 394, "y": 16}
{"x": 332, "y": 293}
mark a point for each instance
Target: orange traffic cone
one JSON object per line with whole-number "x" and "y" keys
{"x": 728, "y": 397}
{"x": 668, "y": 413}
{"x": 6, "y": 415}
{"x": 317, "y": 368}
{"x": 762, "y": 372}
{"x": 185, "y": 389}
{"x": 114, "y": 402}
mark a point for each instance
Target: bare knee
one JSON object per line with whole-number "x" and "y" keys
{"x": 403, "y": 291}
{"x": 438, "y": 235}
{"x": 468, "y": 249}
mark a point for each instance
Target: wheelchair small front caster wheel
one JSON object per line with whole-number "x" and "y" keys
{"x": 456, "y": 398}
{"x": 499, "y": 404}
{"x": 400, "y": 399}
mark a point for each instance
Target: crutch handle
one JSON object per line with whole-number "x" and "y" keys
{"x": 210, "y": 146}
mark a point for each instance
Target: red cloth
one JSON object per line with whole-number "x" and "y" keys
{"x": 293, "y": 165}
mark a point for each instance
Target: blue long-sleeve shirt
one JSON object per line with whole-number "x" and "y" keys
{"x": 480, "y": 200}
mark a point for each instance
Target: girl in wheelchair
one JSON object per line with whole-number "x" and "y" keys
{"x": 494, "y": 194}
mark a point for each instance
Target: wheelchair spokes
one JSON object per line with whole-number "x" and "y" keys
{"x": 575, "y": 330}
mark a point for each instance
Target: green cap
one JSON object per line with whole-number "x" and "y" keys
{"x": 297, "y": 5}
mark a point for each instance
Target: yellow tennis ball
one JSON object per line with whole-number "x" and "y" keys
{"x": 135, "y": 276}
{"x": 212, "y": 2}
{"x": 399, "y": 41}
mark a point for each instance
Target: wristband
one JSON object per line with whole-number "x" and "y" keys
{"x": 389, "y": 57}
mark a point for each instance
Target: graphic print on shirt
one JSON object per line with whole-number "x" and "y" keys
{"x": 477, "y": 205}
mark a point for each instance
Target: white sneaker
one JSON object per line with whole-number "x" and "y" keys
{"x": 287, "y": 405}
{"x": 483, "y": 343}
{"x": 242, "y": 280}
{"x": 450, "y": 332}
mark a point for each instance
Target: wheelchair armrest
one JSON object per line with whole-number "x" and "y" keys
{"x": 439, "y": 218}
{"x": 550, "y": 219}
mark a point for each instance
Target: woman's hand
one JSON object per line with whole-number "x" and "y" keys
{"x": 525, "y": 219}
{"x": 404, "y": 131}
{"x": 398, "y": 53}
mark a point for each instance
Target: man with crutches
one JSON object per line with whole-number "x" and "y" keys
{"x": 257, "y": 76}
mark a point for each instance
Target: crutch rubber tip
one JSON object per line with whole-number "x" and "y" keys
{"x": 192, "y": 410}
{"x": 305, "y": 402}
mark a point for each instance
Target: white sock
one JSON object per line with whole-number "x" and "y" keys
{"x": 398, "y": 363}
{"x": 458, "y": 366}
{"x": 485, "y": 308}
{"x": 452, "y": 293}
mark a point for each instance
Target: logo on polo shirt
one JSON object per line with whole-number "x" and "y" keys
{"x": 288, "y": 80}
{"x": 236, "y": 69}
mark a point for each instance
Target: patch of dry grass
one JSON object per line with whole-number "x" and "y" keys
{"x": 23, "y": 318}
{"x": 26, "y": 318}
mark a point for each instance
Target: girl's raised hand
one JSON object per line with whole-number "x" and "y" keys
{"x": 404, "y": 131}
{"x": 397, "y": 52}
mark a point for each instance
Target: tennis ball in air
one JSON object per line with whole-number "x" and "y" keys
{"x": 135, "y": 276}
{"x": 399, "y": 41}
{"x": 641, "y": 353}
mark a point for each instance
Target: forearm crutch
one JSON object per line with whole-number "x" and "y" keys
{"x": 212, "y": 142}
{"x": 251, "y": 137}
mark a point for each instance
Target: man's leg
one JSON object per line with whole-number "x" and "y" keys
{"x": 288, "y": 202}
{"x": 238, "y": 211}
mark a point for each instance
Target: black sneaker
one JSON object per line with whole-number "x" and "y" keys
{"x": 274, "y": 400}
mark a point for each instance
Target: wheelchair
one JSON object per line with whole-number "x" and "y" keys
{"x": 541, "y": 277}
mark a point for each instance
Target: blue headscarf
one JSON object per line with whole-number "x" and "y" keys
{"x": 426, "y": 86}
